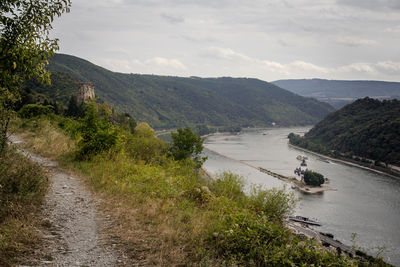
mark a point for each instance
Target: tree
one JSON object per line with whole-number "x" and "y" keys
{"x": 185, "y": 145}
{"x": 74, "y": 109}
{"x": 313, "y": 178}
{"x": 143, "y": 129}
{"x": 24, "y": 49}
{"x": 98, "y": 133}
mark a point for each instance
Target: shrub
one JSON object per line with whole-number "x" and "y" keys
{"x": 273, "y": 203}
{"x": 147, "y": 149}
{"x": 98, "y": 133}
{"x": 228, "y": 185}
{"x": 143, "y": 145}
{"x": 23, "y": 185}
{"x": 143, "y": 129}
{"x": 34, "y": 110}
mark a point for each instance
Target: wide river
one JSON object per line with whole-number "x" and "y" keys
{"x": 365, "y": 203}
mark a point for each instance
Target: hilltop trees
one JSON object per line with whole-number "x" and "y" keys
{"x": 24, "y": 48}
{"x": 367, "y": 129}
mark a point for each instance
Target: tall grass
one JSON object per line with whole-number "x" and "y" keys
{"x": 22, "y": 188}
{"x": 44, "y": 136}
{"x": 182, "y": 218}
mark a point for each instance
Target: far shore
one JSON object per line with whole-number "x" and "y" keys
{"x": 345, "y": 162}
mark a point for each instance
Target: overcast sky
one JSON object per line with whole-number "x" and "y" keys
{"x": 266, "y": 39}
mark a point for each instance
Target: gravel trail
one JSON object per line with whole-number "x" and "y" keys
{"x": 74, "y": 225}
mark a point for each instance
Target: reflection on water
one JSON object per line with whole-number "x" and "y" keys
{"x": 365, "y": 203}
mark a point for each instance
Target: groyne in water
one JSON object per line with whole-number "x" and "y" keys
{"x": 291, "y": 180}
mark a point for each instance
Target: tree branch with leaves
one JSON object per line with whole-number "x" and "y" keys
{"x": 25, "y": 47}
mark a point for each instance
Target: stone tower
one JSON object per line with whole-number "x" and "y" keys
{"x": 86, "y": 92}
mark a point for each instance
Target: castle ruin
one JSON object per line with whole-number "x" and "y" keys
{"x": 86, "y": 92}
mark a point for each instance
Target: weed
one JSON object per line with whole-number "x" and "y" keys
{"x": 168, "y": 214}
{"x": 22, "y": 188}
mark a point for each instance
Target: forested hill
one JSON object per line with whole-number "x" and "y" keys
{"x": 339, "y": 93}
{"x": 167, "y": 102}
{"x": 369, "y": 128}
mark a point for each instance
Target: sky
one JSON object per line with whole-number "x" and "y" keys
{"x": 265, "y": 39}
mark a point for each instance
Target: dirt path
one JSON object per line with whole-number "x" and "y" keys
{"x": 73, "y": 223}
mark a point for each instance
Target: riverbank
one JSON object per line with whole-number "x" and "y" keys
{"x": 290, "y": 180}
{"x": 347, "y": 162}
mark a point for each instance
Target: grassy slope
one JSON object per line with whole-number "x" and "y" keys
{"x": 23, "y": 185}
{"x": 173, "y": 101}
{"x": 164, "y": 214}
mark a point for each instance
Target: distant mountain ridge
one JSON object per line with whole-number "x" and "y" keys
{"x": 167, "y": 102}
{"x": 340, "y": 92}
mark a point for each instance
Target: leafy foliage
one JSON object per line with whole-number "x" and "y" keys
{"x": 275, "y": 204}
{"x": 24, "y": 48}
{"x": 367, "y": 128}
{"x": 74, "y": 109}
{"x": 169, "y": 102}
{"x": 313, "y": 178}
{"x": 144, "y": 145}
{"x": 210, "y": 222}
{"x": 23, "y": 185}
{"x": 98, "y": 133}
{"x": 33, "y": 110}
{"x": 187, "y": 145}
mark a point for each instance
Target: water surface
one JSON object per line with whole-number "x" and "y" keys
{"x": 365, "y": 203}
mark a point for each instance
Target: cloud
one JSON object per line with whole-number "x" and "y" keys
{"x": 357, "y": 67}
{"x": 353, "y": 41}
{"x": 225, "y": 53}
{"x": 160, "y": 65}
{"x": 268, "y": 39}
{"x": 371, "y": 4}
{"x": 299, "y": 68}
{"x": 166, "y": 62}
{"x": 389, "y": 66}
{"x": 172, "y": 19}
{"x": 395, "y": 29}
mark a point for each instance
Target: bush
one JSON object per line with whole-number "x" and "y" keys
{"x": 34, "y": 110}
{"x": 23, "y": 185}
{"x": 228, "y": 185}
{"x": 147, "y": 149}
{"x": 313, "y": 178}
{"x": 274, "y": 203}
{"x": 98, "y": 133}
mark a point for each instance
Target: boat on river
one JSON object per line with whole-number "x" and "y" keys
{"x": 305, "y": 220}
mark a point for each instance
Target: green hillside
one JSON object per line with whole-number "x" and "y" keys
{"x": 167, "y": 102}
{"x": 368, "y": 128}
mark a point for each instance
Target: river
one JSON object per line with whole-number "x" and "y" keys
{"x": 365, "y": 203}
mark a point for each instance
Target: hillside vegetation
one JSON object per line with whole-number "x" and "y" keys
{"x": 167, "y": 102}
{"x": 23, "y": 185}
{"x": 339, "y": 93}
{"x": 165, "y": 210}
{"x": 367, "y": 128}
